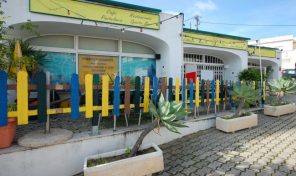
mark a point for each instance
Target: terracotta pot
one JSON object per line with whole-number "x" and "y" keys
{"x": 7, "y": 133}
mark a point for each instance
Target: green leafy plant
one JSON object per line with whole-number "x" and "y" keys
{"x": 30, "y": 60}
{"x": 4, "y": 50}
{"x": 245, "y": 94}
{"x": 280, "y": 88}
{"x": 12, "y": 107}
{"x": 168, "y": 114}
{"x": 287, "y": 77}
{"x": 251, "y": 74}
{"x": 30, "y": 56}
{"x": 127, "y": 151}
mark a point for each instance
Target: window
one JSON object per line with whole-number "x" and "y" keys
{"x": 57, "y": 41}
{"x": 60, "y": 66}
{"x": 129, "y": 47}
{"x": 95, "y": 44}
{"x": 134, "y": 66}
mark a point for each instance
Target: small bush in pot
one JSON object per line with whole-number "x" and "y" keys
{"x": 279, "y": 89}
{"x": 276, "y": 103}
{"x": 138, "y": 160}
{"x": 167, "y": 114}
{"x": 245, "y": 95}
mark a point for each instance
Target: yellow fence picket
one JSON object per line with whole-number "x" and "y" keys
{"x": 105, "y": 96}
{"x": 197, "y": 93}
{"x": 254, "y": 85}
{"x": 177, "y": 90}
{"x": 88, "y": 96}
{"x": 234, "y": 86}
{"x": 217, "y": 92}
{"x": 146, "y": 94}
{"x": 22, "y": 98}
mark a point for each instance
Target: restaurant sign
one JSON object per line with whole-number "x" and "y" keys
{"x": 214, "y": 41}
{"x": 264, "y": 52}
{"x": 102, "y": 65}
{"x": 95, "y": 12}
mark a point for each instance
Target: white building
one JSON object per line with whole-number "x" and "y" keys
{"x": 285, "y": 43}
{"x": 109, "y": 37}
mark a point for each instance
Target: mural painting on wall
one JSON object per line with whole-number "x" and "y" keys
{"x": 133, "y": 66}
{"x": 102, "y": 65}
{"x": 60, "y": 66}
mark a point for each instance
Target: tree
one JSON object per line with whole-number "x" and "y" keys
{"x": 167, "y": 114}
{"x": 245, "y": 94}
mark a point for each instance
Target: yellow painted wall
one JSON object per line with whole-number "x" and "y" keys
{"x": 215, "y": 41}
{"x": 95, "y": 12}
{"x": 265, "y": 52}
{"x": 92, "y": 64}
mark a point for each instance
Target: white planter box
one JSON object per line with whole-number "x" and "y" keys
{"x": 277, "y": 111}
{"x": 232, "y": 125}
{"x": 141, "y": 165}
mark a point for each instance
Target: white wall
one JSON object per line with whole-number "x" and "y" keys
{"x": 284, "y": 43}
{"x": 67, "y": 159}
{"x": 166, "y": 41}
{"x": 234, "y": 60}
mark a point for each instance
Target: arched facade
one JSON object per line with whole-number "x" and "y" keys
{"x": 205, "y": 63}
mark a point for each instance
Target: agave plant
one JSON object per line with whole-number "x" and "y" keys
{"x": 245, "y": 94}
{"x": 167, "y": 114}
{"x": 282, "y": 87}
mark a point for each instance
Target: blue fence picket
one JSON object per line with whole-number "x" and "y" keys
{"x": 230, "y": 92}
{"x": 116, "y": 102}
{"x": 3, "y": 99}
{"x": 238, "y": 83}
{"x": 191, "y": 94}
{"x": 155, "y": 90}
{"x": 74, "y": 97}
{"x": 184, "y": 93}
{"x": 213, "y": 88}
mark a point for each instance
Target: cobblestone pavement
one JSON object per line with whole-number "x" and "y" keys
{"x": 269, "y": 149}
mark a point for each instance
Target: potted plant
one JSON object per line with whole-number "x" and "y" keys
{"x": 245, "y": 95}
{"x": 277, "y": 103}
{"x": 7, "y": 133}
{"x": 144, "y": 160}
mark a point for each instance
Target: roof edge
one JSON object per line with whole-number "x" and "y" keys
{"x": 215, "y": 34}
{"x": 124, "y": 5}
{"x": 265, "y": 47}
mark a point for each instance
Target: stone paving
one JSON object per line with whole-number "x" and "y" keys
{"x": 269, "y": 149}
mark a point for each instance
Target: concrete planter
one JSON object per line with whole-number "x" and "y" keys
{"x": 232, "y": 125}
{"x": 278, "y": 111}
{"x": 141, "y": 165}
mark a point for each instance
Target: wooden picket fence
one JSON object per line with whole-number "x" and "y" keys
{"x": 207, "y": 93}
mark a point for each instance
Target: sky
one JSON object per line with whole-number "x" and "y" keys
{"x": 274, "y": 12}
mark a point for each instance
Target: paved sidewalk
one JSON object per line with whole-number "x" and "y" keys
{"x": 269, "y": 149}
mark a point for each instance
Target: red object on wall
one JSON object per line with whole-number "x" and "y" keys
{"x": 191, "y": 75}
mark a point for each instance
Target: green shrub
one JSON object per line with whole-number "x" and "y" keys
{"x": 251, "y": 74}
